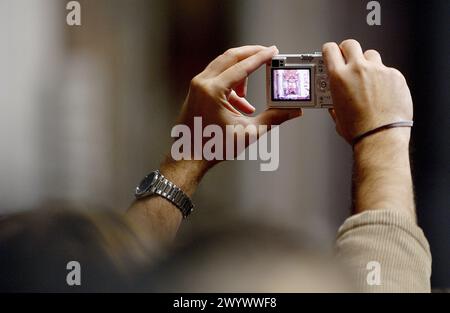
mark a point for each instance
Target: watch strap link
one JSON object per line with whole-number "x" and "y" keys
{"x": 166, "y": 189}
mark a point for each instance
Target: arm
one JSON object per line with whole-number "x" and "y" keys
{"x": 218, "y": 96}
{"x": 382, "y": 173}
{"x": 158, "y": 217}
{"x": 366, "y": 95}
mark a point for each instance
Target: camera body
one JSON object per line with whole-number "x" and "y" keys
{"x": 298, "y": 81}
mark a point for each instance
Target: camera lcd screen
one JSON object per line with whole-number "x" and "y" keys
{"x": 293, "y": 84}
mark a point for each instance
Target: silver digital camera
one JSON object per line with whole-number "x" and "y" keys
{"x": 298, "y": 81}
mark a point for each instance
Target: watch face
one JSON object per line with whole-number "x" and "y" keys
{"x": 146, "y": 183}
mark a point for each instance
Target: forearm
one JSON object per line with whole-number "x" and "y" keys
{"x": 157, "y": 216}
{"x": 382, "y": 173}
{"x": 385, "y": 233}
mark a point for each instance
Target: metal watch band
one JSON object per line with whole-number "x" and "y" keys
{"x": 166, "y": 189}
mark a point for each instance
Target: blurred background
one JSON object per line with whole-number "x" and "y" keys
{"x": 86, "y": 111}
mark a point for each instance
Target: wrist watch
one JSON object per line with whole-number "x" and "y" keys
{"x": 156, "y": 184}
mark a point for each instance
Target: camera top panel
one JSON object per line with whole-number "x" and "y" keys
{"x": 283, "y": 60}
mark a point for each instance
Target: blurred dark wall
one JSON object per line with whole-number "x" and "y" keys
{"x": 197, "y": 34}
{"x": 429, "y": 69}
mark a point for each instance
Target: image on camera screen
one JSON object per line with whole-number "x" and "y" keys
{"x": 291, "y": 85}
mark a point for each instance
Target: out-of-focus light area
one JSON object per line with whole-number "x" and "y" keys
{"x": 86, "y": 111}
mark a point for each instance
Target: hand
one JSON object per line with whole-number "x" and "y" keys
{"x": 218, "y": 94}
{"x": 366, "y": 94}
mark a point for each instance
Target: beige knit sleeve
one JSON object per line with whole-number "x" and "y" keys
{"x": 385, "y": 251}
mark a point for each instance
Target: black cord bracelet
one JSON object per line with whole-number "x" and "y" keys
{"x": 381, "y": 128}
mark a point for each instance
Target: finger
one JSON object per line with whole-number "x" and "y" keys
{"x": 332, "y": 56}
{"x": 229, "y": 58}
{"x": 241, "y": 88}
{"x": 277, "y": 116}
{"x": 332, "y": 114}
{"x": 240, "y": 103}
{"x": 238, "y": 72}
{"x": 352, "y": 51}
{"x": 227, "y": 105}
{"x": 373, "y": 56}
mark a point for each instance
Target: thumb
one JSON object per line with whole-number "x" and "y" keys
{"x": 276, "y": 116}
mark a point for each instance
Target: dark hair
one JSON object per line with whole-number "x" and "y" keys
{"x": 35, "y": 247}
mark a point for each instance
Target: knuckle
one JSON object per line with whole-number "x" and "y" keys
{"x": 231, "y": 53}
{"x": 349, "y": 42}
{"x": 198, "y": 83}
{"x": 372, "y": 52}
{"x": 329, "y": 45}
{"x": 396, "y": 74}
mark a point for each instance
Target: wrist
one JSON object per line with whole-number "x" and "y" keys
{"x": 382, "y": 173}
{"x": 186, "y": 174}
{"x": 386, "y": 148}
